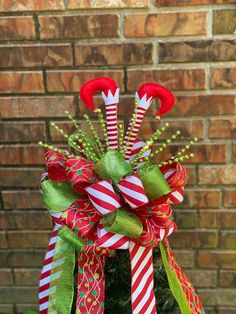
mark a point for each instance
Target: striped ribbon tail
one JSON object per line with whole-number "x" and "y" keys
{"x": 132, "y": 133}
{"x": 112, "y": 125}
{"x": 133, "y": 191}
{"x": 91, "y": 284}
{"x": 142, "y": 285}
{"x": 54, "y": 296}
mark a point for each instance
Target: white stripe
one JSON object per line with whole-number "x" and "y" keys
{"x": 43, "y": 306}
{"x": 49, "y": 254}
{"x": 141, "y": 285}
{"x": 103, "y": 196}
{"x": 162, "y": 234}
{"x": 134, "y": 179}
{"x": 132, "y": 193}
{"x": 141, "y": 266}
{"x": 137, "y": 255}
{"x": 177, "y": 195}
{"x": 55, "y": 264}
{"x": 52, "y": 240}
{"x": 151, "y": 306}
{"x": 43, "y": 294}
{"x": 170, "y": 230}
{"x": 144, "y": 299}
{"x": 138, "y": 144}
{"x": 101, "y": 209}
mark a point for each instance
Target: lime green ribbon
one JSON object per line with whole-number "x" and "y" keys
{"x": 57, "y": 196}
{"x": 174, "y": 283}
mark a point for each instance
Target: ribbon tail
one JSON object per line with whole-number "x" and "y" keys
{"x": 91, "y": 283}
{"x": 142, "y": 285}
{"x": 56, "y": 287}
{"x": 180, "y": 285}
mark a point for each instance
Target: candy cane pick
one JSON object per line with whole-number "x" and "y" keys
{"x": 146, "y": 93}
{"x": 110, "y": 94}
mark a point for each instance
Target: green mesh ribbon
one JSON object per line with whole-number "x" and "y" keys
{"x": 113, "y": 166}
{"x": 57, "y": 196}
{"x": 154, "y": 182}
{"x": 123, "y": 222}
{"x": 73, "y": 239}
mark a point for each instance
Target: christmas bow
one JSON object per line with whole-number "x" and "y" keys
{"x": 121, "y": 201}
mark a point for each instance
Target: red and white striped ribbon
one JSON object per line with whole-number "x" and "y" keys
{"x": 103, "y": 197}
{"x": 111, "y": 102}
{"x": 133, "y": 191}
{"x": 111, "y": 240}
{"x": 177, "y": 196}
{"x": 45, "y": 277}
{"x": 131, "y": 135}
{"x": 142, "y": 286}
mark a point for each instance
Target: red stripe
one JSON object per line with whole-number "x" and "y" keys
{"x": 141, "y": 276}
{"x": 43, "y": 300}
{"x": 44, "y": 287}
{"x": 102, "y": 203}
{"x": 143, "y": 256}
{"x": 142, "y": 293}
{"x": 45, "y": 274}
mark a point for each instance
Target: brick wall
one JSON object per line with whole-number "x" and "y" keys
{"x": 48, "y": 49}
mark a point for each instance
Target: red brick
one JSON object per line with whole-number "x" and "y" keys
{"x": 226, "y": 310}
{"x": 208, "y": 219}
{"x": 6, "y": 278}
{"x": 224, "y": 21}
{"x": 20, "y": 258}
{"x": 23, "y": 308}
{"x": 21, "y": 82}
{"x": 217, "y": 175}
{"x": 26, "y": 277}
{"x": 22, "y": 199}
{"x": 165, "y": 24}
{"x": 22, "y": 131}
{"x": 69, "y": 128}
{"x": 234, "y": 152}
{"x": 223, "y": 219}
{"x": 230, "y": 198}
{"x": 21, "y": 177}
{"x": 177, "y": 79}
{"x": 227, "y": 219}
{"x": 201, "y": 198}
{"x": 3, "y": 240}
{"x": 223, "y": 78}
{"x": 192, "y": 176}
{"x": 71, "y": 81}
{"x": 19, "y": 294}
{"x": 114, "y": 54}
{"x": 42, "y": 5}
{"x": 36, "y": 55}
{"x": 194, "y": 239}
{"x": 228, "y": 240}
{"x": 21, "y": 155}
{"x": 202, "y": 105}
{"x": 16, "y": 28}
{"x": 202, "y": 278}
{"x": 222, "y": 128}
{"x": 79, "y": 26}
{"x": 216, "y": 259}
{"x": 197, "y": 51}
{"x": 185, "y": 219}
{"x": 190, "y": 2}
{"x": 227, "y": 279}
{"x": 218, "y": 297}
{"x": 36, "y": 239}
{"x": 36, "y": 107}
{"x": 6, "y": 308}
{"x": 185, "y": 258}
{"x": 215, "y": 153}
{"x": 188, "y": 128}
{"x": 25, "y": 220}
{"x": 103, "y": 4}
